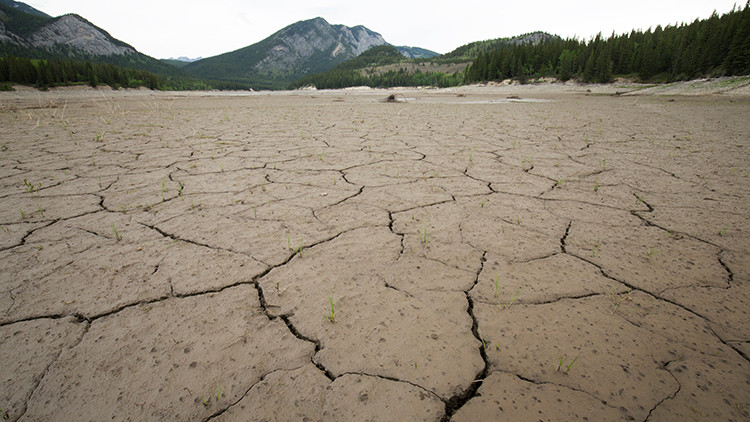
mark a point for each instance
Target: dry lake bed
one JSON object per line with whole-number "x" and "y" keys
{"x": 454, "y": 255}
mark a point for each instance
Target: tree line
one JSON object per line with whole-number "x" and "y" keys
{"x": 48, "y": 73}
{"x": 717, "y": 46}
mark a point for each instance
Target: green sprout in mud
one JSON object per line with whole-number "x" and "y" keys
{"x": 163, "y": 188}
{"x": 331, "y": 313}
{"x": 4, "y": 414}
{"x": 723, "y": 232}
{"x": 512, "y": 299}
{"x": 484, "y": 343}
{"x": 117, "y": 235}
{"x": 205, "y": 401}
{"x": 179, "y": 190}
{"x": 40, "y": 210}
{"x": 23, "y": 214}
{"x": 278, "y": 290}
{"x": 484, "y": 201}
{"x": 497, "y": 286}
{"x": 567, "y": 368}
{"x": 596, "y": 186}
{"x": 5, "y": 229}
{"x": 650, "y": 253}
{"x": 99, "y": 137}
{"x": 595, "y": 247}
{"x": 604, "y": 165}
{"x": 218, "y": 392}
{"x": 423, "y": 235}
{"x": 497, "y": 346}
{"x": 30, "y": 187}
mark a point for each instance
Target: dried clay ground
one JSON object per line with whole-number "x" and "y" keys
{"x": 455, "y": 255}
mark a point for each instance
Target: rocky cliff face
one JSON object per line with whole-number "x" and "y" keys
{"x": 70, "y": 33}
{"x": 76, "y": 32}
{"x": 319, "y": 41}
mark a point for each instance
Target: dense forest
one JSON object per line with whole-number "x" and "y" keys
{"x": 58, "y": 72}
{"x": 716, "y": 46}
{"x": 46, "y": 73}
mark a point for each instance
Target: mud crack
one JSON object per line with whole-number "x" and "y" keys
{"x": 453, "y": 404}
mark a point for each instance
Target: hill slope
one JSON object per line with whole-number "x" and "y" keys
{"x": 39, "y": 36}
{"x": 299, "y": 49}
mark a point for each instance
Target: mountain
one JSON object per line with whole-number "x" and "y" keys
{"x": 36, "y": 35}
{"x": 184, "y": 59}
{"x": 471, "y": 51}
{"x": 300, "y": 49}
{"x": 179, "y": 62}
{"x": 416, "y": 52}
{"x": 23, "y": 7}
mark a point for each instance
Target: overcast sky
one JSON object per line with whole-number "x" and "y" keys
{"x": 204, "y": 28}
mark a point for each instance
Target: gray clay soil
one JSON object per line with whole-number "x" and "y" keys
{"x": 330, "y": 256}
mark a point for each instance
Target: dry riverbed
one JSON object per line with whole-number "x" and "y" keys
{"x": 455, "y": 255}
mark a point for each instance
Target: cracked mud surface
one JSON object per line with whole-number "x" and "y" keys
{"x": 177, "y": 257}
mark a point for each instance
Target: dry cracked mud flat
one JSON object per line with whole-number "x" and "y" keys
{"x": 329, "y": 256}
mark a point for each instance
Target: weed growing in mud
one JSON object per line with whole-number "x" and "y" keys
{"x": 650, "y": 253}
{"x": 40, "y": 210}
{"x": 497, "y": 346}
{"x": 23, "y": 214}
{"x": 595, "y": 247}
{"x": 723, "y": 232}
{"x": 567, "y": 368}
{"x": 512, "y": 299}
{"x": 99, "y": 137}
{"x": 616, "y": 299}
{"x": 596, "y": 186}
{"x": 117, "y": 235}
{"x": 279, "y": 291}
{"x": 218, "y": 392}
{"x": 179, "y": 190}
{"x": 331, "y": 313}
{"x": 484, "y": 201}
{"x": 497, "y": 286}
{"x": 423, "y": 235}
{"x": 30, "y": 187}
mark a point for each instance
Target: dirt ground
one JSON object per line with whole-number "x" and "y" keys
{"x": 455, "y": 255}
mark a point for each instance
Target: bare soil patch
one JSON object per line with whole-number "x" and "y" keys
{"x": 481, "y": 252}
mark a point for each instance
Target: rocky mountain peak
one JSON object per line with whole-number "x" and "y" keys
{"x": 77, "y": 33}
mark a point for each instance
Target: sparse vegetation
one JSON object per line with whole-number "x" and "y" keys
{"x": 331, "y": 312}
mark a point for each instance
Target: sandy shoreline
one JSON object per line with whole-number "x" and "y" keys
{"x": 560, "y": 255}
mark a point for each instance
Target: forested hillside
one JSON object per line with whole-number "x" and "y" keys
{"x": 362, "y": 70}
{"x": 719, "y": 45}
